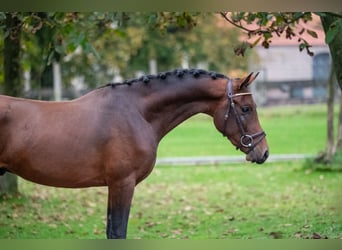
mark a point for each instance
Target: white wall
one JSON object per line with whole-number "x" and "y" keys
{"x": 283, "y": 63}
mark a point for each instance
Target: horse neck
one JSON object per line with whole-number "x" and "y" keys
{"x": 176, "y": 100}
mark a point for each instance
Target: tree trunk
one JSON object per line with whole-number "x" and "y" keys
{"x": 12, "y": 84}
{"x": 153, "y": 66}
{"x": 330, "y": 120}
{"x": 338, "y": 146}
{"x": 57, "y": 81}
{"x": 335, "y": 46}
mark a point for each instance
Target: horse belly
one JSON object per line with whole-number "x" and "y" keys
{"x": 60, "y": 162}
{"x": 60, "y": 174}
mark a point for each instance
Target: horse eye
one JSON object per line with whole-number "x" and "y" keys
{"x": 246, "y": 109}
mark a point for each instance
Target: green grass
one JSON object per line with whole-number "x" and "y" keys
{"x": 293, "y": 129}
{"x": 276, "y": 200}
{"x": 273, "y": 201}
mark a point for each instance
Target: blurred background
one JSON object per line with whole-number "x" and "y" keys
{"x": 92, "y": 49}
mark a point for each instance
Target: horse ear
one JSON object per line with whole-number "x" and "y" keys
{"x": 245, "y": 82}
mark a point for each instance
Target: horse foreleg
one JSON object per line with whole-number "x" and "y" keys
{"x": 119, "y": 203}
{"x": 3, "y": 171}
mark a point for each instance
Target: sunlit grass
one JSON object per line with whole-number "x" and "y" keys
{"x": 276, "y": 200}
{"x": 290, "y": 130}
{"x": 273, "y": 201}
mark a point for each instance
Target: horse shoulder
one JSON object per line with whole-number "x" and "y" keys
{"x": 132, "y": 149}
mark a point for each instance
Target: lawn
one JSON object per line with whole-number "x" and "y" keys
{"x": 273, "y": 200}
{"x": 290, "y": 130}
{"x": 276, "y": 200}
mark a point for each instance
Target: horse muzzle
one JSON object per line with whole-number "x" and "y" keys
{"x": 257, "y": 156}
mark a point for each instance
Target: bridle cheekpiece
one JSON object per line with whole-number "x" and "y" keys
{"x": 246, "y": 140}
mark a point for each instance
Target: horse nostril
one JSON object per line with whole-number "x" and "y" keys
{"x": 264, "y": 158}
{"x": 266, "y": 155}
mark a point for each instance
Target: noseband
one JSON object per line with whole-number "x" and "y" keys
{"x": 246, "y": 140}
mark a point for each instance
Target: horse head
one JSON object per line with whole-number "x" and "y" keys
{"x": 237, "y": 119}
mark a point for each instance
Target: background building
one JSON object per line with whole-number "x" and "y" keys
{"x": 289, "y": 76}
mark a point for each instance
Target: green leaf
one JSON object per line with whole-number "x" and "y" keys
{"x": 120, "y": 32}
{"x": 268, "y": 35}
{"x": 95, "y": 53}
{"x": 59, "y": 49}
{"x": 312, "y": 33}
{"x": 251, "y": 17}
{"x": 256, "y": 42}
{"x": 333, "y": 30}
{"x": 321, "y": 14}
{"x": 6, "y": 33}
{"x": 297, "y": 15}
{"x": 50, "y": 57}
{"x": 301, "y": 46}
{"x": 330, "y": 35}
{"x": 2, "y": 16}
{"x": 152, "y": 19}
{"x": 236, "y": 17}
{"x": 71, "y": 47}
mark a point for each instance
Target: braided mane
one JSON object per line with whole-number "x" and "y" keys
{"x": 163, "y": 75}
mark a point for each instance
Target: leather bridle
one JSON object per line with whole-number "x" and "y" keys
{"x": 246, "y": 140}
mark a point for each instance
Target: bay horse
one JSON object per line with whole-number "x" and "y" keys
{"x": 109, "y": 136}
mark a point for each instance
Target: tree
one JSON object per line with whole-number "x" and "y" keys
{"x": 199, "y": 39}
{"x": 271, "y": 24}
{"x": 13, "y": 85}
{"x": 332, "y": 24}
{"x": 93, "y": 44}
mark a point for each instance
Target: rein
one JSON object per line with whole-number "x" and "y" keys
{"x": 246, "y": 140}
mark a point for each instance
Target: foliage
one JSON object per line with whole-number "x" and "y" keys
{"x": 335, "y": 27}
{"x": 265, "y": 25}
{"x": 96, "y": 45}
{"x": 173, "y": 21}
{"x": 332, "y": 24}
{"x": 48, "y": 36}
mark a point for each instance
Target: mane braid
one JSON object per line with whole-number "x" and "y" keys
{"x": 163, "y": 75}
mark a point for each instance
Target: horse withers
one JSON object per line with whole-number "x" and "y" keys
{"x": 109, "y": 137}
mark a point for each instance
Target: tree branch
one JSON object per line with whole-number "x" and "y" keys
{"x": 224, "y": 15}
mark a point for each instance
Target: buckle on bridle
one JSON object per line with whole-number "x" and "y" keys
{"x": 246, "y": 141}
